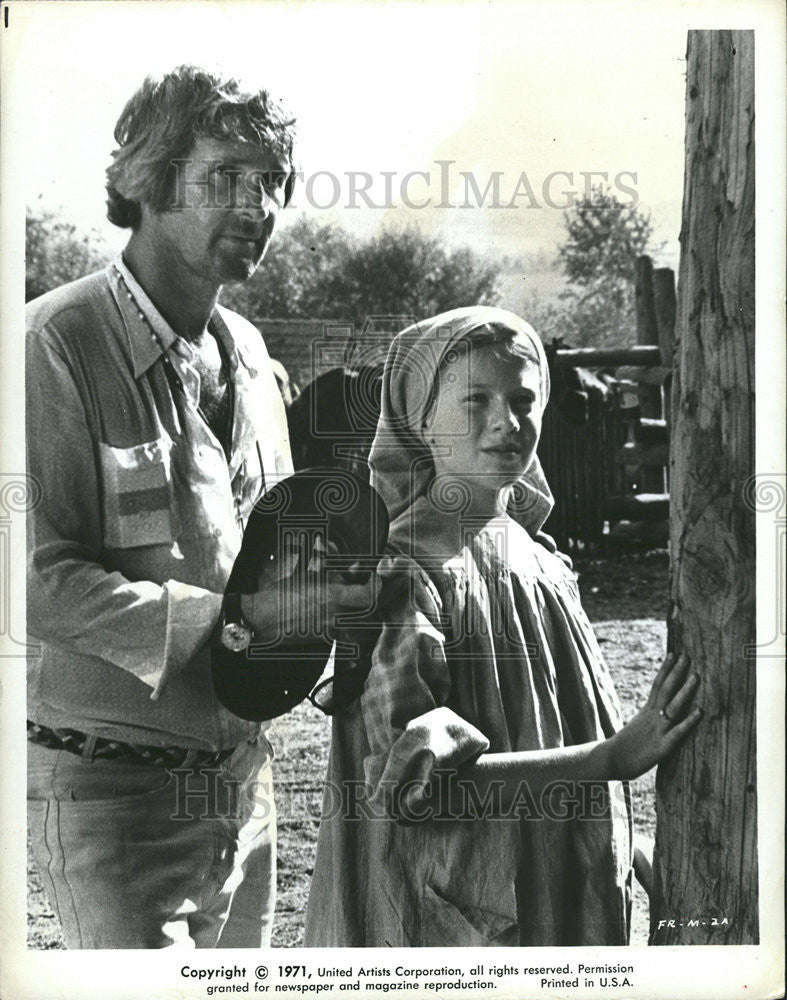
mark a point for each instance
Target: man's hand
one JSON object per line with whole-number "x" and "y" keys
{"x": 657, "y": 729}
{"x": 302, "y": 597}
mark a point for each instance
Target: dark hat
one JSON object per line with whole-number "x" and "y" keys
{"x": 314, "y": 511}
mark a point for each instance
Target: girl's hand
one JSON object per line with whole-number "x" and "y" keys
{"x": 666, "y": 719}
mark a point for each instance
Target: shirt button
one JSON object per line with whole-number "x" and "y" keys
{"x": 217, "y": 532}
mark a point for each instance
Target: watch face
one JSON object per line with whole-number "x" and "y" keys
{"x": 236, "y": 637}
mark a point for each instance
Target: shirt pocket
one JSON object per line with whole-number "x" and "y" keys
{"x": 445, "y": 925}
{"x": 138, "y": 495}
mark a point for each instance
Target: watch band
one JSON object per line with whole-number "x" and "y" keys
{"x": 235, "y": 633}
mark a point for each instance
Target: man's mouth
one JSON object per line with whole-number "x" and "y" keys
{"x": 255, "y": 246}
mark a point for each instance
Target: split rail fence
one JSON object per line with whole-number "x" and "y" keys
{"x": 610, "y": 476}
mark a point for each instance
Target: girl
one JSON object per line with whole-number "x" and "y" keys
{"x": 476, "y": 793}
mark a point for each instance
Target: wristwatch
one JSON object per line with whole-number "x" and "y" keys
{"x": 235, "y": 635}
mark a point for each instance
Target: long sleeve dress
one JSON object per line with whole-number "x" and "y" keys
{"x": 484, "y": 650}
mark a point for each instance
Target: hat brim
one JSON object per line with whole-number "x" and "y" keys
{"x": 268, "y": 679}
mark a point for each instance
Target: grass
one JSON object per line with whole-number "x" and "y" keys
{"x": 626, "y": 599}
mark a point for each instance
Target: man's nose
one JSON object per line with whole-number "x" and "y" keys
{"x": 253, "y": 212}
{"x": 252, "y": 197}
{"x": 258, "y": 205}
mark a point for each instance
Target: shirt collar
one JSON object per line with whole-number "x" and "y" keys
{"x": 138, "y": 311}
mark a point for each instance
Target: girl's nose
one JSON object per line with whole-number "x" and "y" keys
{"x": 502, "y": 415}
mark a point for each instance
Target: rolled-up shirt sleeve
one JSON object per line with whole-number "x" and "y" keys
{"x": 73, "y": 600}
{"x": 414, "y": 736}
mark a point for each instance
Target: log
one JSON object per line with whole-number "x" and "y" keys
{"x": 651, "y": 431}
{"x": 607, "y": 357}
{"x": 637, "y": 507}
{"x": 652, "y": 532}
{"x": 651, "y": 455}
{"x": 705, "y": 866}
{"x": 653, "y": 376}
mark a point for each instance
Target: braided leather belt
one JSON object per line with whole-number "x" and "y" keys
{"x": 169, "y": 757}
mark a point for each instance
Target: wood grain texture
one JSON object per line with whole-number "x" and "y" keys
{"x": 706, "y": 842}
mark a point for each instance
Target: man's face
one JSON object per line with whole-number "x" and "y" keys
{"x": 225, "y": 202}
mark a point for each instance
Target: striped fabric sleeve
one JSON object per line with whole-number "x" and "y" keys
{"x": 136, "y": 494}
{"x": 74, "y": 602}
{"x": 412, "y": 733}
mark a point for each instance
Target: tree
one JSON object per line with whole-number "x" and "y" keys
{"x": 706, "y": 836}
{"x": 407, "y": 273}
{"x": 316, "y": 270}
{"x": 302, "y": 260}
{"x": 55, "y": 253}
{"x": 604, "y": 237}
{"x": 313, "y": 270}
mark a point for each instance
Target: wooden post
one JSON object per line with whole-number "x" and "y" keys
{"x": 647, "y": 326}
{"x": 706, "y": 841}
{"x": 651, "y": 479}
{"x": 666, "y": 304}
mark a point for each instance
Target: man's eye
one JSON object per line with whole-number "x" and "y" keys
{"x": 476, "y": 397}
{"x": 524, "y": 402}
{"x": 273, "y": 185}
{"x": 226, "y": 180}
{"x": 226, "y": 172}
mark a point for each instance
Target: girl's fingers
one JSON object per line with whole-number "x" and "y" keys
{"x": 681, "y": 701}
{"x": 673, "y": 678}
{"x": 663, "y": 671}
{"x": 680, "y": 731}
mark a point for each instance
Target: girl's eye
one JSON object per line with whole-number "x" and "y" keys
{"x": 523, "y": 402}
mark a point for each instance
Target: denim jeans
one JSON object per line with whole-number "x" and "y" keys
{"x": 137, "y": 856}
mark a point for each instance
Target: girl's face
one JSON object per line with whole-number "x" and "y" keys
{"x": 486, "y": 422}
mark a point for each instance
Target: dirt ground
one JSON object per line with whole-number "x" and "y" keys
{"x": 625, "y": 598}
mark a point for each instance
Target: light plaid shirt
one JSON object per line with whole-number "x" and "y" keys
{"x": 141, "y": 515}
{"x": 484, "y": 649}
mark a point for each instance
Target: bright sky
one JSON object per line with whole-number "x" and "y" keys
{"x": 381, "y": 89}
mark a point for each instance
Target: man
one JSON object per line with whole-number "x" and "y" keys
{"x": 154, "y": 423}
